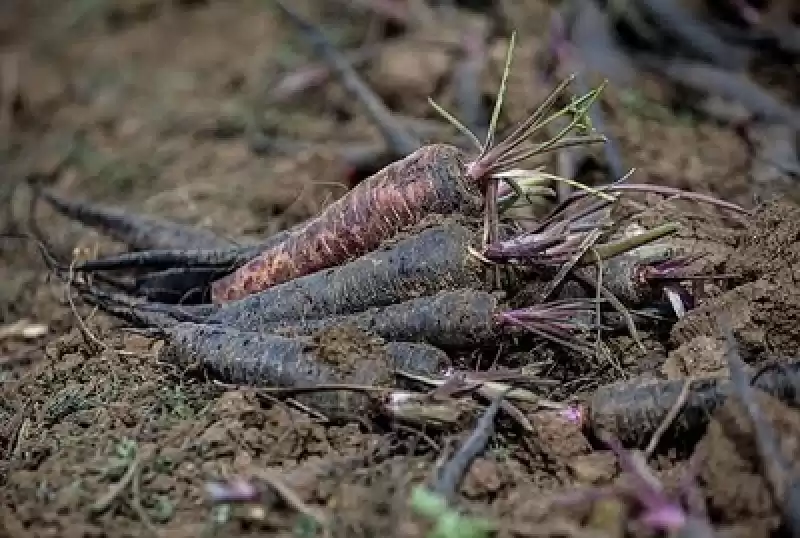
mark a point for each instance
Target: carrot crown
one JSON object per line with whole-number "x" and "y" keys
{"x": 494, "y": 159}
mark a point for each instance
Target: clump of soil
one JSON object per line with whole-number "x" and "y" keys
{"x": 732, "y": 473}
{"x": 764, "y": 308}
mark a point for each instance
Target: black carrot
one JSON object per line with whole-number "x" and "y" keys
{"x": 230, "y": 257}
{"x": 436, "y": 259}
{"x": 456, "y": 319}
{"x": 137, "y": 231}
{"x": 340, "y": 356}
{"x": 632, "y": 410}
{"x": 435, "y": 178}
{"x": 180, "y": 285}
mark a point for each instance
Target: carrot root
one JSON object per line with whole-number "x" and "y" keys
{"x": 632, "y": 410}
{"x": 172, "y": 258}
{"x": 436, "y": 259}
{"x": 450, "y": 319}
{"x": 329, "y": 357}
{"x": 430, "y": 180}
{"x": 137, "y": 231}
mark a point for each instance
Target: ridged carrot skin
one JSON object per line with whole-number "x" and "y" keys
{"x": 430, "y": 180}
{"x": 435, "y": 259}
{"x": 269, "y": 360}
{"x": 333, "y": 356}
{"x": 449, "y": 319}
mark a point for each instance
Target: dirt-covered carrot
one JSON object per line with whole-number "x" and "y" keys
{"x": 646, "y": 276}
{"x": 137, "y": 231}
{"x": 338, "y": 356}
{"x": 160, "y": 259}
{"x": 450, "y": 319}
{"x": 435, "y": 259}
{"x": 633, "y": 410}
{"x": 178, "y": 285}
{"x": 437, "y": 178}
{"x": 191, "y": 258}
{"x": 454, "y": 319}
{"x": 430, "y": 180}
{"x": 184, "y": 284}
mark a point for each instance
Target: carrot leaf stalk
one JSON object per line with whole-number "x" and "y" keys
{"x": 556, "y": 321}
{"x": 667, "y": 275}
{"x": 666, "y": 191}
{"x": 558, "y": 244}
{"x": 494, "y": 159}
{"x": 487, "y": 384}
{"x": 519, "y": 183}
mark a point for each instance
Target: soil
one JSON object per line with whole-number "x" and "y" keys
{"x": 164, "y": 108}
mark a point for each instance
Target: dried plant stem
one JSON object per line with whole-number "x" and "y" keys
{"x": 400, "y": 141}
{"x": 453, "y": 472}
{"x": 669, "y": 419}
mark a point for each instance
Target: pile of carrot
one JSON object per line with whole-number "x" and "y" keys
{"x": 406, "y": 261}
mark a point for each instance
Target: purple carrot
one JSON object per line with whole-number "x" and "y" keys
{"x": 662, "y": 190}
{"x": 458, "y": 319}
{"x": 436, "y": 259}
{"x": 632, "y": 410}
{"x": 340, "y": 357}
{"x": 139, "y": 232}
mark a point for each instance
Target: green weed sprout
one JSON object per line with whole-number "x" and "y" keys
{"x": 448, "y": 523}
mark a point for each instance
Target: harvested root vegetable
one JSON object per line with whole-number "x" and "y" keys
{"x": 646, "y": 276}
{"x": 435, "y": 179}
{"x": 436, "y": 259}
{"x": 338, "y": 356}
{"x": 778, "y": 468}
{"x": 430, "y": 180}
{"x": 174, "y": 276}
{"x": 179, "y": 285}
{"x": 438, "y": 178}
{"x": 137, "y": 231}
{"x": 455, "y": 319}
{"x": 632, "y": 410}
{"x": 179, "y": 262}
{"x": 178, "y": 258}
